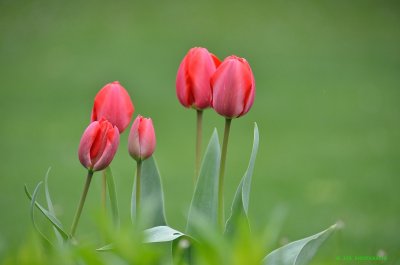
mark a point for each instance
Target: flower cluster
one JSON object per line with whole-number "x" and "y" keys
{"x": 111, "y": 115}
{"x": 203, "y": 81}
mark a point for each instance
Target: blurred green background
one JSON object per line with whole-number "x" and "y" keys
{"x": 327, "y": 106}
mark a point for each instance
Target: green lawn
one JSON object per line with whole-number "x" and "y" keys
{"x": 327, "y": 105}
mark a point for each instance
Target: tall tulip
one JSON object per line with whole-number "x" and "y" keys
{"x": 193, "y": 87}
{"x": 114, "y": 104}
{"x": 141, "y": 145}
{"x": 97, "y": 148}
{"x": 233, "y": 95}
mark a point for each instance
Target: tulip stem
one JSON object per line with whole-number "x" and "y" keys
{"x": 81, "y": 202}
{"x": 221, "y": 175}
{"x": 198, "y": 144}
{"x": 138, "y": 175}
{"x": 104, "y": 191}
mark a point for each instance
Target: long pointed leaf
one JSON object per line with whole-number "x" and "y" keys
{"x": 60, "y": 239}
{"x": 205, "y": 197}
{"x": 299, "y": 252}
{"x": 56, "y": 223}
{"x": 151, "y": 196}
{"x": 113, "y": 196}
{"x": 32, "y": 214}
{"x": 240, "y": 205}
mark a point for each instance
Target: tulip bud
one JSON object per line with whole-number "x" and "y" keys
{"x": 98, "y": 145}
{"x": 142, "y": 139}
{"x": 114, "y": 104}
{"x": 233, "y": 88}
{"x": 193, "y": 79}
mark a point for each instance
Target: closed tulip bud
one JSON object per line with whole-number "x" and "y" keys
{"x": 114, "y": 104}
{"x": 233, "y": 88}
{"x": 193, "y": 79}
{"x": 98, "y": 145}
{"x": 142, "y": 139}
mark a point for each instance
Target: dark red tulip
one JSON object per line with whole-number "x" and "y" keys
{"x": 98, "y": 145}
{"x": 233, "y": 87}
{"x": 142, "y": 138}
{"x": 193, "y": 79}
{"x": 114, "y": 104}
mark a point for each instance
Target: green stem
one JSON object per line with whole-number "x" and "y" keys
{"x": 198, "y": 144}
{"x": 222, "y": 173}
{"x": 138, "y": 175}
{"x": 104, "y": 191}
{"x": 81, "y": 202}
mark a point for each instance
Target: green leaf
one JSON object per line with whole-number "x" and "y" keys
{"x": 113, "y": 195}
{"x": 298, "y": 252}
{"x": 55, "y": 222}
{"x": 151, "y": 195}
{"x": 32, "y": 214}
{"x": 60, "y": 239}
{"x": 205, "y": 197}
{"x": 161, "y": 234}
{"x": 240, "y": 205}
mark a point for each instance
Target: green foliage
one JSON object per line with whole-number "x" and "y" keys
{"x": 152, "y": 195}
{"x": 240, "y": 205}
{"x": 113, "y": 196}
{"x": 205, "y": 197}
{"x": 298, "y": 252}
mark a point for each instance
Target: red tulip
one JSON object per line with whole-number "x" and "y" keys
{"x": 193, "y": 79}
{"x": 113, "y": 103}
{"x": 98, "y": 145}
{"x": 233, "y": 87}
{"x": 142, "y": 138}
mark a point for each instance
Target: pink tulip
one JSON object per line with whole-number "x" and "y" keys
{"x": 98, "y": 145}
{"x": 114, "y": 104}
{"x": 193, "y": 79}
{"x": 142, "y": 138}
{"x": 233, "y": 88}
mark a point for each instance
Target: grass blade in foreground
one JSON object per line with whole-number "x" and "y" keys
{"x": 113, "y": 195}
{"x": 205, "y": 197}
{"x": 240, "y": 205}
{"x": 54, "y": 221}
{"x": 299, "y": 252}
{"x": 151, "y": 196}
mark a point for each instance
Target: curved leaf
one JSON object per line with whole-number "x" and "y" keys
{"x": 59, "y": 237}
{"x": 205, "y": 197}
{"x": 55, "y": 222}
{"x": 113, "y": 195}
{"x": 240, "y": 203}
{"x": 32, "y": 214}
{"x": 299, "y": 252}
{"x": 161, "y": 234}
{"x": 151, "y": 196}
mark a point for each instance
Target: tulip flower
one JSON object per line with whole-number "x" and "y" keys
{"x": 114, "y": 104}
{"x": 233, "y": 88}
{"x": 142, "y": 139}
{"x": 98, "y": 145}
{"x": 193, "y": 79}
{"x": 193, "y": 87}
{"x": 97, "y": 148}
{"x": 141, "y": 145}
{"x": 233, "y": 95}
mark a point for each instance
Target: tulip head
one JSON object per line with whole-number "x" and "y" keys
{"x": 114, "y": 104}
{"x": 233, "y": 88}
{"x": 193, "y": 79}
{"x": 142, "y": 139}
{"x": 98, "y": 145}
